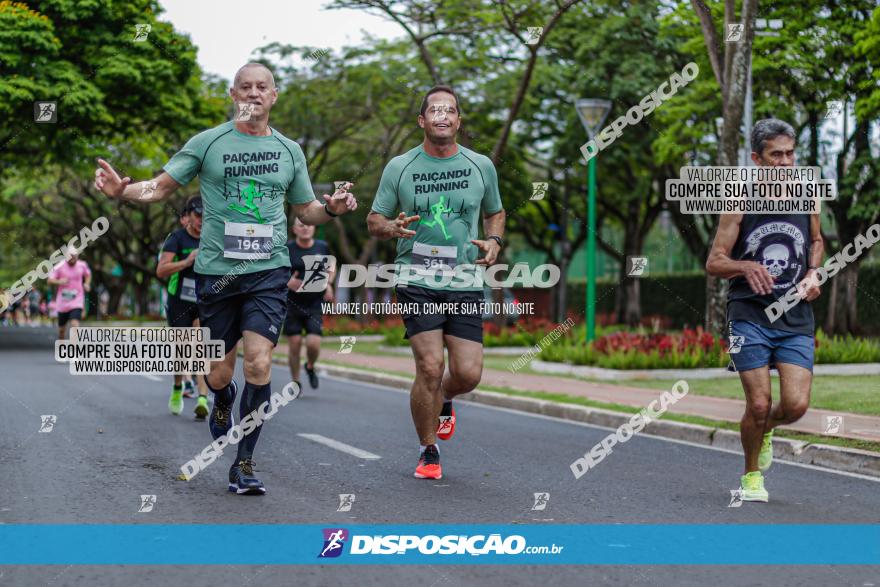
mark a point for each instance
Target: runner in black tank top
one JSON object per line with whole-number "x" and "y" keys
{"x": 763, "y": 256}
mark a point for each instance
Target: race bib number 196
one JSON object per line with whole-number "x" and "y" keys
{"x": 247, "y": 241}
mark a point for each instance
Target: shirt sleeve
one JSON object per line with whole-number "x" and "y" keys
{"x": 55, "y": 271}
{"x": 170, "y": 245}
{"x": 491, "y": 197}
{"x": 386, "y": 200}
{"x": 185, "y": 164}
{"x": 86, "y": 271}
{"x": 300, "y": 189}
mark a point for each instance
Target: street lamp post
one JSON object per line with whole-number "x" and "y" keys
{"x": 592, "y": 113}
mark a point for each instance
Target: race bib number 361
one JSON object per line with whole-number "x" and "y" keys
{"x": 247, "y": 241}
{"x": 434, "y": 258}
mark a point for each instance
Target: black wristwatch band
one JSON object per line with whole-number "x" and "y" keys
{"x": 329, "y": 213}
{"x": 497, "y": 239}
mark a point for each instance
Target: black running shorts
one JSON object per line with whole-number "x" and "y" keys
{"x": 308, "y": 317}
{"x": 179, "y": 312}
{"x": 65, "y": 317}
{"x": 466, "y": 325}
{"x": 230, "y": 304}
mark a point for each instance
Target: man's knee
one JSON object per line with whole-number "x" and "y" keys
{"x": 257, "y": 367}
{"x": 220, "y": 375}
{"x": 467, "y": 378}
{"x": 430, "y": 370}
{"x": 759, "y": 410}
{"x": 796, "y": 410}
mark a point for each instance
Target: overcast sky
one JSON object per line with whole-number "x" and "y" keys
{"x": 226, "y": 32}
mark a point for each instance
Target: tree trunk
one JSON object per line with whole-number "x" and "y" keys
{"x": 716, "y": 305}
{"x": 632, "y": 308}
{"x": 850, "y": 304}
{"x": 831, "y": 312}
{"x": 142, "y": 298}
{"x": 115, "y": 289}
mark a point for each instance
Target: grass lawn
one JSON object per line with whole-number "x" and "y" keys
{"x": 858, "y": 394}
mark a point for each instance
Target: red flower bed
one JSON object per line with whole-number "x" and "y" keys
{"x": 663, "y": 343}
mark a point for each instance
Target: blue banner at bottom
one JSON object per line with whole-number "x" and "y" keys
{"x": 630, "y": 544}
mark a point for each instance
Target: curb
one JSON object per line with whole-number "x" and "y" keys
{"x": 602, "y": 374}
{"x": 850, "y": 460}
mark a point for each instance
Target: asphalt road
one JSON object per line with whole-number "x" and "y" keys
{"x": 114, "y": 440}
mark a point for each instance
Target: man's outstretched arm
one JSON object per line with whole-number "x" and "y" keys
{"x": 111, "y": 185}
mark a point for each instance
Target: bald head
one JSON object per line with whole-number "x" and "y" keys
{"x": 256, "y": 68}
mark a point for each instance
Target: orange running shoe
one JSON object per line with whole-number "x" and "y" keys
{"x": 446, "y": 427}
{"x": 429, "y": 464}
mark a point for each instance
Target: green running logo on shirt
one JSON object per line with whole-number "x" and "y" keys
{"x": 249, "y": 193}
{"x": 436, "y": 210}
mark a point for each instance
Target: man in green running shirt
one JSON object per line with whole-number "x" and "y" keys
{"x": 247, "y": 170}
{"x": 452, "y": 188}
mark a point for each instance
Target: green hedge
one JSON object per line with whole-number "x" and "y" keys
{"x": 682, "y": 298}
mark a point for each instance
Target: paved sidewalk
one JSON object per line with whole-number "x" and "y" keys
{"x": 853, "y": 425}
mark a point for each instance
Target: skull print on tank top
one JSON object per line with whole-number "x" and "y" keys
{"x": 781, "y": 243}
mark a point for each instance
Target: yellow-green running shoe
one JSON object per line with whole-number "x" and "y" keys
{"x": 175, "y": 402}
{"x": 765, "y": 458}
{"x": 201, "y": 407}
{"x": 752, "y": 486}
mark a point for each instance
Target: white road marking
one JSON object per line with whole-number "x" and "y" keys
{"x": 641, "y": 434}
{"x": 340, "y": 446}
{"x": 150, "y": 377}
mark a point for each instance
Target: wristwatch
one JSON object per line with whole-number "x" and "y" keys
{"x": 329, "y": 213}
{"x": 497, "y": 239}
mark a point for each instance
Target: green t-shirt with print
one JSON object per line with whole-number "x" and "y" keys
{"x": 244, "y": 181}
{"x": 448, "y": 195}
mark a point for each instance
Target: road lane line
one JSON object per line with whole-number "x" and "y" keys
{"x": 150, "y": 377}
{"x": 340, "y": 446}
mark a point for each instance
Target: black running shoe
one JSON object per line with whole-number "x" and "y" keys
{"x": 313, "y": 377}
{"x": 221, "y": 420}
{"x": 242, "y": 480}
